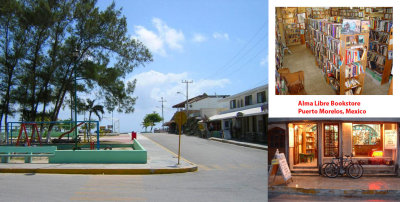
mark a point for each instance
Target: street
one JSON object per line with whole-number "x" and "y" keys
{"x": 226, "y": 173}
{"x": 287, "y": 197}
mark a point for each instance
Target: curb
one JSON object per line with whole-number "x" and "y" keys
{"x": 333, "y": 192}
{"x": 239, "y": 143}
{"x": 95, "y": 171}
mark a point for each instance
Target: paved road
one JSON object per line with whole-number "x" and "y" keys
{"x": 306, "y": 198}
{"x": 226, "y": 173}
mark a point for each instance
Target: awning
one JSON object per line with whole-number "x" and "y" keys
{"x": 168, "y": 123}
{"x": 242, "y": 113}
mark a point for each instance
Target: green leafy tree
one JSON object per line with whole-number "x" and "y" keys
{"x": 146, "y": 124}
{"x": 46, "y": 45}
{"x": 152, "y": 119}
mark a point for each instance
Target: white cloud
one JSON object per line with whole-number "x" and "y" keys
{"x": 153, "y": 85}
{"x": 218, "y": 35}
{"x": 198, "y": 38}
{"x": 157, "y": 41}
{"x": 264, "y": 61}
{"x": 154, "y": 42}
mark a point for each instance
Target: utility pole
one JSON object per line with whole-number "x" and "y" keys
{"x": 187, "y": 96}
{"x": 162, "y": 111}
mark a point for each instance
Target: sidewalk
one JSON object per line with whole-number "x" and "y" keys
{"x": 245, "y": 144}
{"x": 339, "y": 186}
{"x": 159, "y": 161}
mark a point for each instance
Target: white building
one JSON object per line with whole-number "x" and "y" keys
{"x": 246, "y": 118}
{"x": 204, "y": 106}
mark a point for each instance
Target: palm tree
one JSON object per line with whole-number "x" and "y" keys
{"x": 92, "y": 108}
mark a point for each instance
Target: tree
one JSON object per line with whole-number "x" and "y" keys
{"x": 152, "y": 119}
{"x": 92, "y": 108}
{"x": 38, "y": 67}
{"x": 145, "y": 125}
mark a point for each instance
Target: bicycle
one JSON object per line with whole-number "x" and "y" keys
{"x": 322, "y": 168}
{"x": 344, "y": 166}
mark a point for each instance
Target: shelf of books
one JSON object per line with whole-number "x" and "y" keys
{"x": 380, "y": 55}
{"x": 341, "y": 52}
{"x": 291, "y": 26}
{"x": 352, "y": 70}
{"x": 292, "y": 32}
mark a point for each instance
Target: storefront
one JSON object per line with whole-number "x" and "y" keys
{"x": 308, "y": 143}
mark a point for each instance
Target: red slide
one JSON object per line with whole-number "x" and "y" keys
{"x": 62, "y": 135}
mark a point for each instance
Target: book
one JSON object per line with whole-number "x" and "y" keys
{"x": 361, "y": 39}
{"x": 365, "y": 26}
{"x": 350, "y": 26}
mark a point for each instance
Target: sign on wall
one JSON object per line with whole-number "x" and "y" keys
{"x": 390, "y": 139}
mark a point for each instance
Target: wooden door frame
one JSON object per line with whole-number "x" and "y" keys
{"x": 295, "y": 142}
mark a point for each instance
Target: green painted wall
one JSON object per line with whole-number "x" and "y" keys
{"x": 87, "y": 145}
{"x": 139, "y": 155}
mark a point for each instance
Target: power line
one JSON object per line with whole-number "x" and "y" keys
{"x": 234, "y": 58}
{"x": 243, "y": 65}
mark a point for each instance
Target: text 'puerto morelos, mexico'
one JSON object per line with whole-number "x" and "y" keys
{"x": 341, "y": 107}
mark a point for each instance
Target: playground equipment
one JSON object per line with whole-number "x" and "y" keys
{"x": 34, "y": 127}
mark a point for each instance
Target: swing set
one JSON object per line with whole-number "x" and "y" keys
{"x": 34, "y": 129}
{"x": 23, "y": 135}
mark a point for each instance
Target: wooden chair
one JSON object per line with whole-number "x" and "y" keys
{"x": 283, "y": 70}
{"x": 295, "y": 82}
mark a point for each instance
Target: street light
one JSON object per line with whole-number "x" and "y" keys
{"x": 75, "y": 54}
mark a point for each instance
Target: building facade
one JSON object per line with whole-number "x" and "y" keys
{"x": 309, "y": 143}
{"x": 246, "y": 119}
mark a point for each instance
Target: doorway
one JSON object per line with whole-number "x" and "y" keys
{"x": 305, "y": 145}
{"x": 276, "y": 140}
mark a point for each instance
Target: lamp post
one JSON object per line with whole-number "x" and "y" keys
{"x": 75, "y": 55}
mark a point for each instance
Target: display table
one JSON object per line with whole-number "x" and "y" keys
{"x": 306, "y": 157}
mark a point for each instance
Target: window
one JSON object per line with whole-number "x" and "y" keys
{"x": 331, "y": 140}
{"x": 233, "y": 104}
{"x": 248, "y": 100}
{"x": 366, "y": 139}
{"x": 261, "y": 97}
{"x": 226, "y": 124}
{"x": 241, "y": 103}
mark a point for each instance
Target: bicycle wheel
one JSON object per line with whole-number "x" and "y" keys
{"x": 355, "y": 171}
{"x": 331, "y": 170}
{"x": 322, "y": 169}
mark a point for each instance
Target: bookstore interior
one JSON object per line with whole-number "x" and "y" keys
{"x": 334, "y": 50}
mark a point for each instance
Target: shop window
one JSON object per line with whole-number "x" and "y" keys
{"x": 260, "y": 126}
{"x": 226, "y": 124}
{"x": 248, "y": 100}
{"x": 331, "y": 139}
{"x": 261, "y": 97}
{"x": 233, "y": 104}
{"x": 366, "y": 139}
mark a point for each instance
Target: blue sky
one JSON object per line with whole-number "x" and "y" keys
{"x": 221, "y": 45}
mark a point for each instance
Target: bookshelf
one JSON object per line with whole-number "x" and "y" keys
{"x": 353, "y": 50}
{"x": 309, "y": 143}
{"x": 388, "y": 13}
{"x": 292, "y": 32}
{"x": 380, "y": 58}
{"x": 341, "y": 57}
{"x": 291, "y": 25}
{"x": 320, "y": 13}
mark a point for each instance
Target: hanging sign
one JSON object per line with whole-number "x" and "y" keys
{"x": 390, "y": 139}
